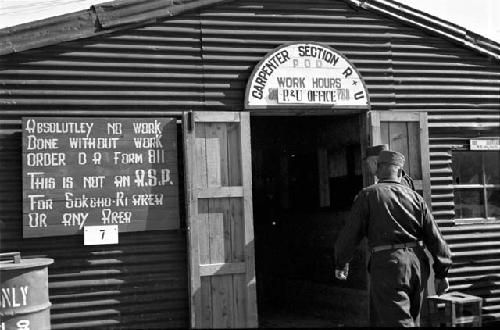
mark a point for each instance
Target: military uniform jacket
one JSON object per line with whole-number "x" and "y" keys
{"x": 407, "y": 181}
{"x": 391, "y": 213}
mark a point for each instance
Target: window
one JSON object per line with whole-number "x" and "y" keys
{"x": 476, "y": 181}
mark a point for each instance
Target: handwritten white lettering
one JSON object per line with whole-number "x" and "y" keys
{"x": 35, "y": 143}
{"x": 110, "y": 217}
{"x": 38, "y": 181}
{"x": 148, "y": 143}
{"x": 147, "y": 200}
{"x": 46, "y": 159}
{"x": 148, "y": 128}
{"x": 92, "y": 143}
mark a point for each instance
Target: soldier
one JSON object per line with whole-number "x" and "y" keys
{"x": 371, "y": 162}
{"x": 397, "y": 223}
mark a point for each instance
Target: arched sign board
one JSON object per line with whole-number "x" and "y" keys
{"x": 306, "y": 74}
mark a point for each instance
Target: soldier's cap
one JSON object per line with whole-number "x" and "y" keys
{"x": 375, "y": 150}
{"x": 391, "y": 157}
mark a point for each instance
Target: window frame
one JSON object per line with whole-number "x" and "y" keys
{"x": 483, "y": 187}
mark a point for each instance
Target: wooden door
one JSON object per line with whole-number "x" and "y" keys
{"x": 219, "y": 220}
{"x": 407, "y": 133}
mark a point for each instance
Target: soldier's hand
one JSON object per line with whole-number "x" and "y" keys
{"x": 442, "y": 285}
{"x": 341, "y": 274}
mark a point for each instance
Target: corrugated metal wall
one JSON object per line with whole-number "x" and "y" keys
{"x": 142, "y": 283}
{"x": 155, "y": 69}
{"x": 164, "y": 67}
{"x": 475, "y": 247}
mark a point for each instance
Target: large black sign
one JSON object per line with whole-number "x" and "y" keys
{"x": 99, "y": 171}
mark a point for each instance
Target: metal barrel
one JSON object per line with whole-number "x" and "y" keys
{"x": 24, "y": 292}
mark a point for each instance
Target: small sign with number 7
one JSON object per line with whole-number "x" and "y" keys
{"x": 100, "y": 235}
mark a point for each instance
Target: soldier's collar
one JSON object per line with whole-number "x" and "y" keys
{"x": 388, "y": 181}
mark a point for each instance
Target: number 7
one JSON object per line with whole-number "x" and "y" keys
{"x": 102, "y": 231}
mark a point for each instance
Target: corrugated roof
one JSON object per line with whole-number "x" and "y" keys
{"x": 15, "y": 12}
{"x": 120, "y": 14}
{"x": 431, "y": 24}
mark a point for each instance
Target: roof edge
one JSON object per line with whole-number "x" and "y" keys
{"x": 110, "y": 16}
{"x": 98, "y": 19}
{"x": 431, "y": 24}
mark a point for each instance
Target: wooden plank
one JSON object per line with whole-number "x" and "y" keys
{"x": 216, "y": 231}
{"x": 246, "y": 167}
{"x": 237, "y": 230}
{"x": 398, "y": 139}
{"x": 195, "y": 287}
{"x": 238, "y": 249}
{"x": 237, "y": 219}
{"x": 227, "y": 230}
{"x": 464, "y": 125}
{"x": 399, "y": 116}
{"x": 365, "y": 135}
{"x": 213, "y": 156}
{"x": 202, "y": 221}
{"x": 220, "y": 133}
{"x": 239, "y": 300}
{"x": 375, "y": 128}
{"x": 220, "y": 192}
{"x": 234, "y": 154}
{"x": 48, "y": 31}
{"x": 414, "y": 155}
{"x": 235, "y": 213}
{"x": 200, "y": 159}
{"x": 385, "y": 133}
{"x": 222, "y": 269}
{"x": 222, "y": 301}
{"x": 216, "y": 117}
{"x": 424, "y": 155}
{"x": 368, "y": 179}
{"x": 323, "y": 178}
{"x": 206, "y": 303}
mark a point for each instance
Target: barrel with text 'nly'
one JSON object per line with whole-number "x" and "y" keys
{"x": 24, "y": 296}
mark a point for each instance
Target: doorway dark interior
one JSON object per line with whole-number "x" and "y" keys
{"x": 306, "y": 172}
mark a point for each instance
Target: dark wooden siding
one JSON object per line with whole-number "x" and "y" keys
{"x": 202, "y": 61}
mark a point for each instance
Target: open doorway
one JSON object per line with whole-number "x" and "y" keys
{"x": 306, "y": 173}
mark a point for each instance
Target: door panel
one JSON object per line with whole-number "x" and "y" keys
{"x": 406, "y": 132}
{"x": 220, "y": 221}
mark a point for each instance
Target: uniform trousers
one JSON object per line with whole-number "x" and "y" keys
{"x": 398, "y": 280}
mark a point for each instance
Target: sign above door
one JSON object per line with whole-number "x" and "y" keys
{"x": 305, "y": 74}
